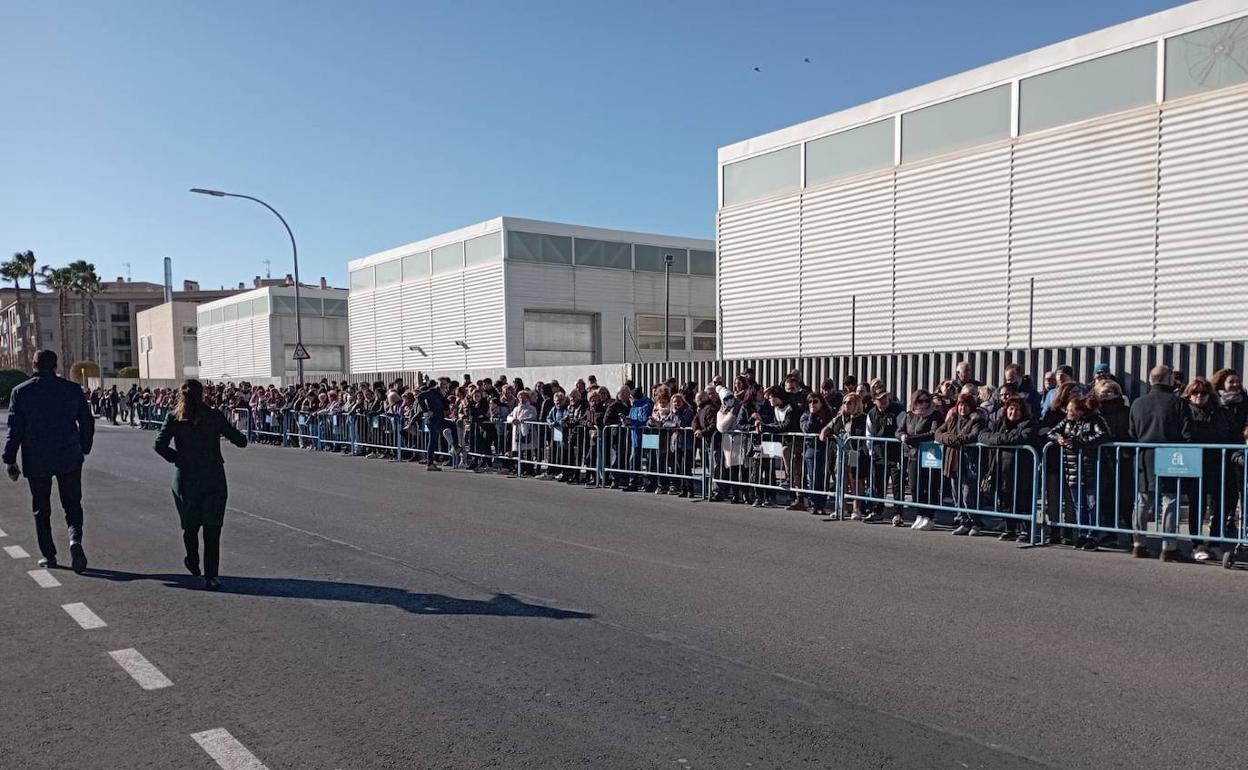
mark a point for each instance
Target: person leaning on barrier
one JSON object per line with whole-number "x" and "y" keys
{"x": 815, "y": 453}
{"x": 917, "y": 427}
{"x": 849, "y": 426}
{"x": 51, "y": 425}
{"x": 774, "y": 422}
{"x": 681, "y": 423}
{"x": 1159, "y": 417}
{"x": 959, "y": 431}
{"x": 1010, "y": 469}
{"x": 706, "y": 436}
{"x": 1079, "y": 434}
{"x": 733, "y": 444}
{"x": 883, "y": 420}
{"x": 1114, "y": 495}
{"x": 1211, "y": 424}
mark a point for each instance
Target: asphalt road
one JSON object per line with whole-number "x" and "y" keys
{"x": 379, "y": 616}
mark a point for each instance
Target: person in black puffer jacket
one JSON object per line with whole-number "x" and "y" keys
{"x": 1211, "y": 424}
{"x": 917, "y": 427}
{"x": 1114, "y": 497}
{"x": 1079, "y": 435}
{"x": 1160, "y": 417}
{"x": 882, "y": 421}
{"x": 1011, "y": 469}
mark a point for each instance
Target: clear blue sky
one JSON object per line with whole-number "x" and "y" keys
{"x": 373, "y": 124}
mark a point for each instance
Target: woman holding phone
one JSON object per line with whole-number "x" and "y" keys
{"x": 191, "y": 439}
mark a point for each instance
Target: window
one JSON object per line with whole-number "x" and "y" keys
{"x": 483, "y": 249}
{"x": 1111, "y": 83}
{"x": 702, "y": 262}
{"x": 362, "y": 279}
{"x": 772, "y": 173}
{"x": 592, "y": 253}
{"x": 416, "y": 266}
{"x": 260, "y": 306}
{"x": 244, "y": 308}
{"x": 446, "y": 259}
{"x": 539, "y": 247}
{"x": 1207, "y": 59}
{"x": 231, "y": 312}
{"x": 855, "y": 151}
{"x": 650, "y": 332}
{"x": 389, "y": 273}
{"x": 336, "y": 308}
{"x": 323, "y": 358}
{"x": 310, "y": 306}
{"x": 283, "y": 304}
{"x": 952, "y": 125}
{"x": 651, "y": 258}
{"x": 704, "y": 334}
{"x": 552, "y": 338}
{"x": 217, "y": 315}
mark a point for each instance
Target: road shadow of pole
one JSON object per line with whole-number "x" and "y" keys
{"x": 501, "y": 605}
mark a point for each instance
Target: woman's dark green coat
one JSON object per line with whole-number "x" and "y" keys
{"x": 199, "y": 487}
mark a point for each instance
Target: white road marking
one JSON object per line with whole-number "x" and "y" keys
{"x": 143, "y": 672}
{"x": 44, "y": 578}
{"x": 85, "y": 617}
{"x": 16, "y": 551}
{"x": 228, "y": 753}
{"x": 2, "y": 534}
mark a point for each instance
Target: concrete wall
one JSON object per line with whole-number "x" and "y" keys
{"x": 173, "y": 354}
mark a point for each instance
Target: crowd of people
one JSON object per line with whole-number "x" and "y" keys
{"x": 796, "y": 445}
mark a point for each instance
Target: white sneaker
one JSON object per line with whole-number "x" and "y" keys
{"x": 1201, "y": 554}
{"x": 856, "y": 516}
{"x": 917, "y": 521}
{"x": 962, "y": 529}
{"x": 924, "y": 524}
{"x": 898, "y": 521}
{"x": 974, "y": 532}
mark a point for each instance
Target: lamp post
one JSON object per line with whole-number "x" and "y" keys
{"x": 667, "y": 306}
{"x": 294, "y": 253}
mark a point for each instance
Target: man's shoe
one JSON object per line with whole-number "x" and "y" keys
{"x": 212, "y": 584}
{"x": 1139, "y": 552}
{"x": 1201, "y": 553}
{"x": 79, "y": 563}
{"x": 1008, "y": 535}
{"x": 48, "y": 562}
{"x": 191, "y": 567}
{"x": 432, "y": 467}
{"x": 898, "y": 521}
{"x": 796, "y": 505}
{"x": 924, "y": 524}
{"x": 1173, "y": 556}
{"x": 962, "y": 529}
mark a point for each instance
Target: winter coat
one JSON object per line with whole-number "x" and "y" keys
{"x": 958, "y": 432}
{"x": 811, "y": 424}
{"x": 784, "y": 419}
{"x": 735, "y": 444}
{"x": 51, "y": 424}
{"x": 639, "y": 416}
{"x": 882, "y": 423}
{"x": 918, "y": 429}
{"x": 1079, "y": 460}
{"x": 1006, "y": 465}
{"x": 194, "y": 447}
{"x": 704, "y": 420}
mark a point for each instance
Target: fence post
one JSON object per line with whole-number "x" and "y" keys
{"x": 601, "y": 461}
{"x": 352, "y": 433}
{"x": 398, "y": 437}
{"x": 841, "y": 442}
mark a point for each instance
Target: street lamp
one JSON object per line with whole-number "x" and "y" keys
{"x": 667, "y": 306}
{"x": 294, "y": 252}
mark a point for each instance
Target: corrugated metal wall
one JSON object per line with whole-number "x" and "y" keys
{"x": 904, "y": 372}
{"x": 758, "y": 284}
{"x": 388, "y": 328}
{"x": 361, "y": 331}
{"x": 483, "y": 300}
{"x": 417, "y": 325}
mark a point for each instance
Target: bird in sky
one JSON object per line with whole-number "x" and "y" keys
{"x": 756, "y": 69}
{"x": 807, "y": 60}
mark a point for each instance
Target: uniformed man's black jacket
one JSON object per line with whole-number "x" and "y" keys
{"x": 51, "y": 423}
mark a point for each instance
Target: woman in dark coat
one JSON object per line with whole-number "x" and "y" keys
{"x": 199, "y": 487}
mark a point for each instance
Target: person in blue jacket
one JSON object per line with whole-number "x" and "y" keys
{"x": 638, "y": 417}
{"x": 50, "y": 422}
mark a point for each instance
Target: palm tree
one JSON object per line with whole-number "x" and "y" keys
{"x": 27, "y": 267}
{"x": 61, "y": 281}
{"x": 86, "y": 284}
{"x": 9, "y": 270}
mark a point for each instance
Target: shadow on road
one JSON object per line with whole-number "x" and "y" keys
{"x": 503, "y": 605}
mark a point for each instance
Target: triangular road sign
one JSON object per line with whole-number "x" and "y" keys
{"x": 301, "y": 353}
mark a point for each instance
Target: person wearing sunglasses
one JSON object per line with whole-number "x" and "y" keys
{"x": 1211, "y": 424}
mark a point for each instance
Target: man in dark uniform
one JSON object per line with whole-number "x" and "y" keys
{"x": 51, "y": 423}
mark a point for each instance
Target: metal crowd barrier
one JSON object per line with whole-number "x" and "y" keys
{"x": 151, "y": 417}
{"x": 669, "y": 460}
{"x": 378, "y": 432}
{"x": 566, "y": 449}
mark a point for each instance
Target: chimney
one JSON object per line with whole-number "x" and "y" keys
{"x": 120, "y": 279}
{"x": 190, "y": 286}
{"x": 256, "y": 282}
{"x": 241, "y": 285}
{"x": 324, "y": 283}
{"x": 168, "y": 279}
{"x": 290, "y": 280}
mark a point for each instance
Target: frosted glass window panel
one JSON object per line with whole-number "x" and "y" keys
{"x": 654, "y": 323}
{"x": 704, "y": 326}
{"x": 851, "y": 152}
{"x": 592, "y": 253}
{"x": 650, "y": 342}
{"x": 559, "y": 331}
{"x": 1108, "y": 84}
{"x": 1207, "y": 59}
{"x": 702, "y": 262}
{"x": 244, "y": 309}
{"x": 953, "y": 125}
{"x": 309, "y": 306}
{"x": 362, "y": 279}
{"x": 704, "y": 343}
{"x": 336, "y": 308}
{"x": 323, "y": 358}
{"x": 389, "y": 273}
{"x": 539, "y": 247}
{"x": 446, "y": 259}
{"x": 230, "y": 312}
{"x": 283, "y": 305}
{"x": 260, "y": 306}
{"x": 483, "y": 249}
{"x": 772, "y": 173}
{"x": 218, "y": 316}
{"x": 650, "y": 258}
{"x": 416, "y": 266}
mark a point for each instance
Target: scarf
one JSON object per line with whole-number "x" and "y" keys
{"x": 1229, "y": 397}
{"x": 922, "y": 410}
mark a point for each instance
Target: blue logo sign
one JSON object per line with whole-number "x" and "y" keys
{"x": 650, "y": 441}
{"x": 1178, "y": 461}
{"x": 931, "y": 455}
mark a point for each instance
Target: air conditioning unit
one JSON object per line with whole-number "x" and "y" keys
{"x": 190, "y": 331}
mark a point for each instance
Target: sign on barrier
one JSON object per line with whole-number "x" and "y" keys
{"x": 556, "y": 435}
{"x": 1178, "y": 461}
{"x": 650, "y": 441}
{"x": 773, "y": 449}
{"x": 931, "y": 455}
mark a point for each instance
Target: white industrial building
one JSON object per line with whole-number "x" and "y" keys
{"x": 517, "y": 292}
{"x": 1088, "y": 193}
{"x": 251, "y": 336}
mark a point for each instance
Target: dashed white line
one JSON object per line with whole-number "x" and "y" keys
{"x": 83, "y": 614}
{"x": 16, "y": 551}
{"x": 138, "y": 667}
{"x": 2, "y": 533}
{"x": 228, "y": 753}
{"x": 44, "y": 578}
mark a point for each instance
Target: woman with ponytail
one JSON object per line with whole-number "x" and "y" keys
{"x": 199, "y": 487}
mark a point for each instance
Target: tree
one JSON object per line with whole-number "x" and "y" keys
{"x": 11, "y": 272}
{"x": 61, "y": 281}
{"x": 128, "y": 373}
{"x": 86, "y": 284}
{"x": 27, "y": 267}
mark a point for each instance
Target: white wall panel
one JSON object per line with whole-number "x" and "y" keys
{"x": 952, "y": 246}
{"x": 485, "y": 327}
{"x": 758, "y": 278}
{"x": 448, "y": 321}
{"x": 361, "y": 332}
{"x": 1083, "y": 226}
{"x": 417, "y": 325}
{"x": 847, "y": 250}
{"x": 261, "y": 351}
{"x": 388, "y": 328}
{"x": 1202, "y": 277}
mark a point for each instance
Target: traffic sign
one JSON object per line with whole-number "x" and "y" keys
{"x": 301, "y": 353}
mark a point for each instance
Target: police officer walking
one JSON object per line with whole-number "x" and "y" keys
{"x": 50, "y": 422}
